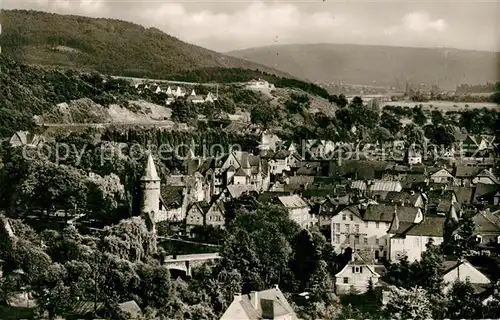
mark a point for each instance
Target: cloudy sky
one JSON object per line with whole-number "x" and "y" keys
{"x": 224, "y": 25}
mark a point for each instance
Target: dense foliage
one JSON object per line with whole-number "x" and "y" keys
{"x": 109, "y": 46}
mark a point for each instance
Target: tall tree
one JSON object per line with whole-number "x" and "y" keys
{"x": 408, "y": 304}
{"x": 463, "y": 302}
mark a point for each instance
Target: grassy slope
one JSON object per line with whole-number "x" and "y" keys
{"x": 362, "y": 64}
{"x": 109, "y": 46}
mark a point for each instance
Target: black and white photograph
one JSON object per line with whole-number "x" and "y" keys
{"x": 249, "y": 160}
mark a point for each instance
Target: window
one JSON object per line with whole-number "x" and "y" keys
{"x": 365, "y": 240}
{"x": 356, "y": 228}
{"x": 337, "y": 225}
{"x": 352, "y": 217}
{"x": 385, "y": 241}
{"x": 337, "y": 238}
{"x": 376, "y": 241}
{"x": 357, "y": 269}
{"x": 366, "y": 224}
{"x": 347, "y": 228}
{"x": 417, "y": 243}
{"x": 356, "y": 239}
{"x": 344, "y": 216}
{"x": 479, "y": 239}
{"x": 377, "y": 224}
{"x": 346, "y": 280}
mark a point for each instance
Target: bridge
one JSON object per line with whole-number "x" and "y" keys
{"x": 185, "y": 263}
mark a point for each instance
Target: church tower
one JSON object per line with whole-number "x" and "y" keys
{"x": 150, "y": 189}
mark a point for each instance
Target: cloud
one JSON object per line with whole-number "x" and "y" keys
{"x": 422, "y": 22}
{"x": 256, "y": 24}
{"x": 78, "y": 7}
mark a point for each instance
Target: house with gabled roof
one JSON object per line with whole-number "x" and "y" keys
{"x": 465, "y": 173}
{"x": 25, "y": 138}
{"x": 298, "y": 210}
{"x": 486, "y": 194}
{"x": 258, "y": 305}
{"x": 195, "y": 216}
{"x": 486, "y": 176}
{"x": 347, "y": 229}
{"x": 356, "y": 275}
{"x": 203, "y": 213}
{"x": 405, "y": 198}
{"x": 441, "y": 176}
{"x": 463, "y": 271}
{"x": 412, "y": 242}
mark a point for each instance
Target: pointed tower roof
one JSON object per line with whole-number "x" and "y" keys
{"x": 150, "y": 173}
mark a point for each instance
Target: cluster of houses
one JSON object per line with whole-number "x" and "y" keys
{"x": 371, "y": 210}
{"x": 172, "y": 95}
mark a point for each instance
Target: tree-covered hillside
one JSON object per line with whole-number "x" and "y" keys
{"x": 26, "y": 91}
{"x": 109, "y": 46}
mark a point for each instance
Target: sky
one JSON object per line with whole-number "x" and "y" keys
{"x": 225, "y": 25}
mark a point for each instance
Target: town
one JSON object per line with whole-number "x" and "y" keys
{"x": 156, "y": 180}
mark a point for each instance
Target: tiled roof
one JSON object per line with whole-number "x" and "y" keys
{"x": 240, "y": 172}
{"x": 430, "y": 227}
{"x": 358, "y": 185}
{"x": 236, "y": 190}
{"x": 487, "y": 222}
{"x": 463, "y": 171}
{"x": 464, "y": 194}
{"x": 385, "y": 186}
{"x": 362, "y": 169}
{"x": 293, "y": 201}
{"x": 487, "y": 174}
{"x": 379, "y": 212}
{"x": 268, "y": 196}
{"x": 483, "y": 190}
{"x": 406, "y": 196}
{"x": 272, "y": 304}
{"x": 172, "y": 195}
{"x": 400, "y": 228}
{"x": 299, "y": 180}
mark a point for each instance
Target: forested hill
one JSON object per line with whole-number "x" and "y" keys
{"x": 106, "y": 45}
{"x": 383, "y": 65}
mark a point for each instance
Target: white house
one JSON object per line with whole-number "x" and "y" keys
{"x": 441, "y": 176}
{"x": 355, "y": 275}
{"x": 348, "y": 230}
{"x": 485, "y": 177}
{"x": 298, "y": 210}
{"x": 414, "y": 156}
{"x": 259, "y": 84}
{"x": 463, "y": 271}
{"x": 412, "y": 242}
{"x": 278, "y": 162}
{"x": 267, "y": 304}
{"x": 25, "y": 138}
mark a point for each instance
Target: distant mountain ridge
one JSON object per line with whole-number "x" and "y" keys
{"x": 106, "y": 45}
{"x": 383, "y": 65}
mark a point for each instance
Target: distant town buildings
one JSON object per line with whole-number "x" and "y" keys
{"x": 260, "y": 85}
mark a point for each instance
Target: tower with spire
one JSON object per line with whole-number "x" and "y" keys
{"x": 150, "y": 189}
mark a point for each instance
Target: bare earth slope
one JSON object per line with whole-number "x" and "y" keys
{"x": 383, "y": 65}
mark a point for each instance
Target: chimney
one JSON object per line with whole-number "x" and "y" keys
{"x": 276, "y": 287}
{"x": 396, "y": 218}
{"x": 237, "y": 297}
{"x": 254, "y": 299}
